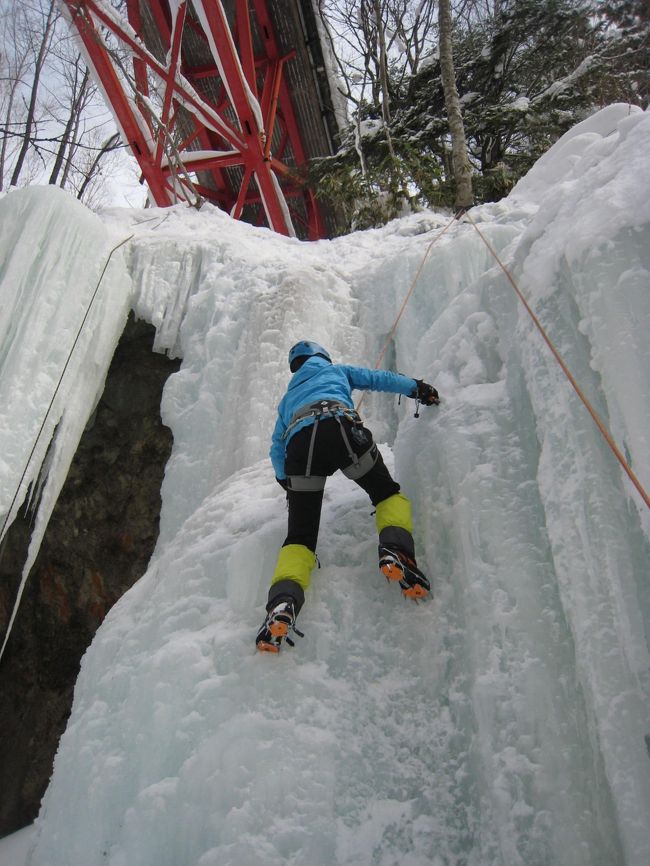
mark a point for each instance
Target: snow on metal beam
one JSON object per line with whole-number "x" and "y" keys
{"x": 201, "y": 98}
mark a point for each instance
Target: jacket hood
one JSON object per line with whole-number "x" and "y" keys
{"x": 311, "y": 367}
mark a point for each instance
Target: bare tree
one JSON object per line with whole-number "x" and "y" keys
{"x": 461, "y": 165}
{"x": 42, "y": 40}
{"x": 54, "y": 126}
{"x": 378, "y": 45}
{"x": 380, "y": 33}
{"x": 108, "y": 146}
{"x": 369, "y": 38}
{"x": 77, "y": 99}
{"x": 411, "y": 28}
{"x": 13, "y": 66}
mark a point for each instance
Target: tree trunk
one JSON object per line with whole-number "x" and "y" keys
{"x": 15, "y": 70}
{"x": 462, "y": 169}
{"x": 110, "y": 144}
{"x": 52, "y": 16}
{"x": 68, "y": 139}
{"x": 5, "y": 138}
{"x": 383, "y": 73}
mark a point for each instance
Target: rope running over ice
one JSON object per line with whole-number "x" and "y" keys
{"x": 408, "y": 297}
{"x": 600, "y": 424}
{"x": 42, "y": 427}
{"x": 583, "y": 397}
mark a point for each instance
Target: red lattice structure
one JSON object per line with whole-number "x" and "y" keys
{"x": 220, "y": 101}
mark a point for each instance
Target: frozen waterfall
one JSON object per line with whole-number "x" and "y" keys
{"x": 503, "y": 723}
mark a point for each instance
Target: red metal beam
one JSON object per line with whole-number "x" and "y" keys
{"x": 131, "y": 129}
{"x": 209, "y": 117}
{"x": 245, "y": 43}
{"x": 139, "y": 67}
{"x": 315, "y": 222}
{"x": 213, "y": 106}
{"x": 175, "y": 53}
{"x": 213, "y": 17}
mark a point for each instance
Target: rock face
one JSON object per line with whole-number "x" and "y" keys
{"x": 98, "y": 543}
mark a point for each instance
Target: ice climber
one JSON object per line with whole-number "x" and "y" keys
{"x": 316, "y": 433}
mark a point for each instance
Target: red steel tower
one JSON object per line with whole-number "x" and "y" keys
{"x": 220, "y": 100}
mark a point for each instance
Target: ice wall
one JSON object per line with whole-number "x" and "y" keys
{"x": 504, "y": 722}
{"x": 64, "y": 298}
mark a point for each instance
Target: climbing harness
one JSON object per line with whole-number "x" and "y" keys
{"x": 359, "y": 465}
{"x": 324, "y": 409}
{"x": 317, "y": 410}
{"x": 600, "y": 424}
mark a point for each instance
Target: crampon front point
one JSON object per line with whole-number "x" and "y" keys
{"x": 396, "y": 566}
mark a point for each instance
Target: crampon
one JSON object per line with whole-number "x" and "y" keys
{"x": 396, "y": 565}
{"x": 280, "y": 620}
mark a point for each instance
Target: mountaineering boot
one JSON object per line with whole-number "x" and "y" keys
{"x": 394, "y": 564}
{"x": 396, "y": 546}
{"x": 280, "y": 620}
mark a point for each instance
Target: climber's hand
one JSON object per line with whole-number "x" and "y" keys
{"x": 426, "y": 394}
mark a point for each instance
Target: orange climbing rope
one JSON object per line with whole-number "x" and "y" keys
{"x": 408, "y": 296}
{"x": 587, "y": 404}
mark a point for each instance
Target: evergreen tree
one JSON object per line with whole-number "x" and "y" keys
{"x": 627, "y": 50}
{"x": 526, "y": 73}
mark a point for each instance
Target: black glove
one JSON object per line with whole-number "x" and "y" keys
{"x": 284, "y": 484}
{"x": 425, "y": 393}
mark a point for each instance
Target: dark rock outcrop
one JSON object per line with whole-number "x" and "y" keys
{"x": 98, "y": 543}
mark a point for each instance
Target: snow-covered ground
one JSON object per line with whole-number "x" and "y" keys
{"x": 503, "y": 723}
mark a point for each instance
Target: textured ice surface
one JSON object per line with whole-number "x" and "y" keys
{"x": 502, "y": 723}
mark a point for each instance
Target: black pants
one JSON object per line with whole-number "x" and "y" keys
{"x": 330, "y": 454}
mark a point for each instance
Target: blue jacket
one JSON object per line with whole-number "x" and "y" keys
{"x": 317, "y": 379}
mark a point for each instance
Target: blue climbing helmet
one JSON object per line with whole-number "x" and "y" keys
{"x": 303, "y": 350}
